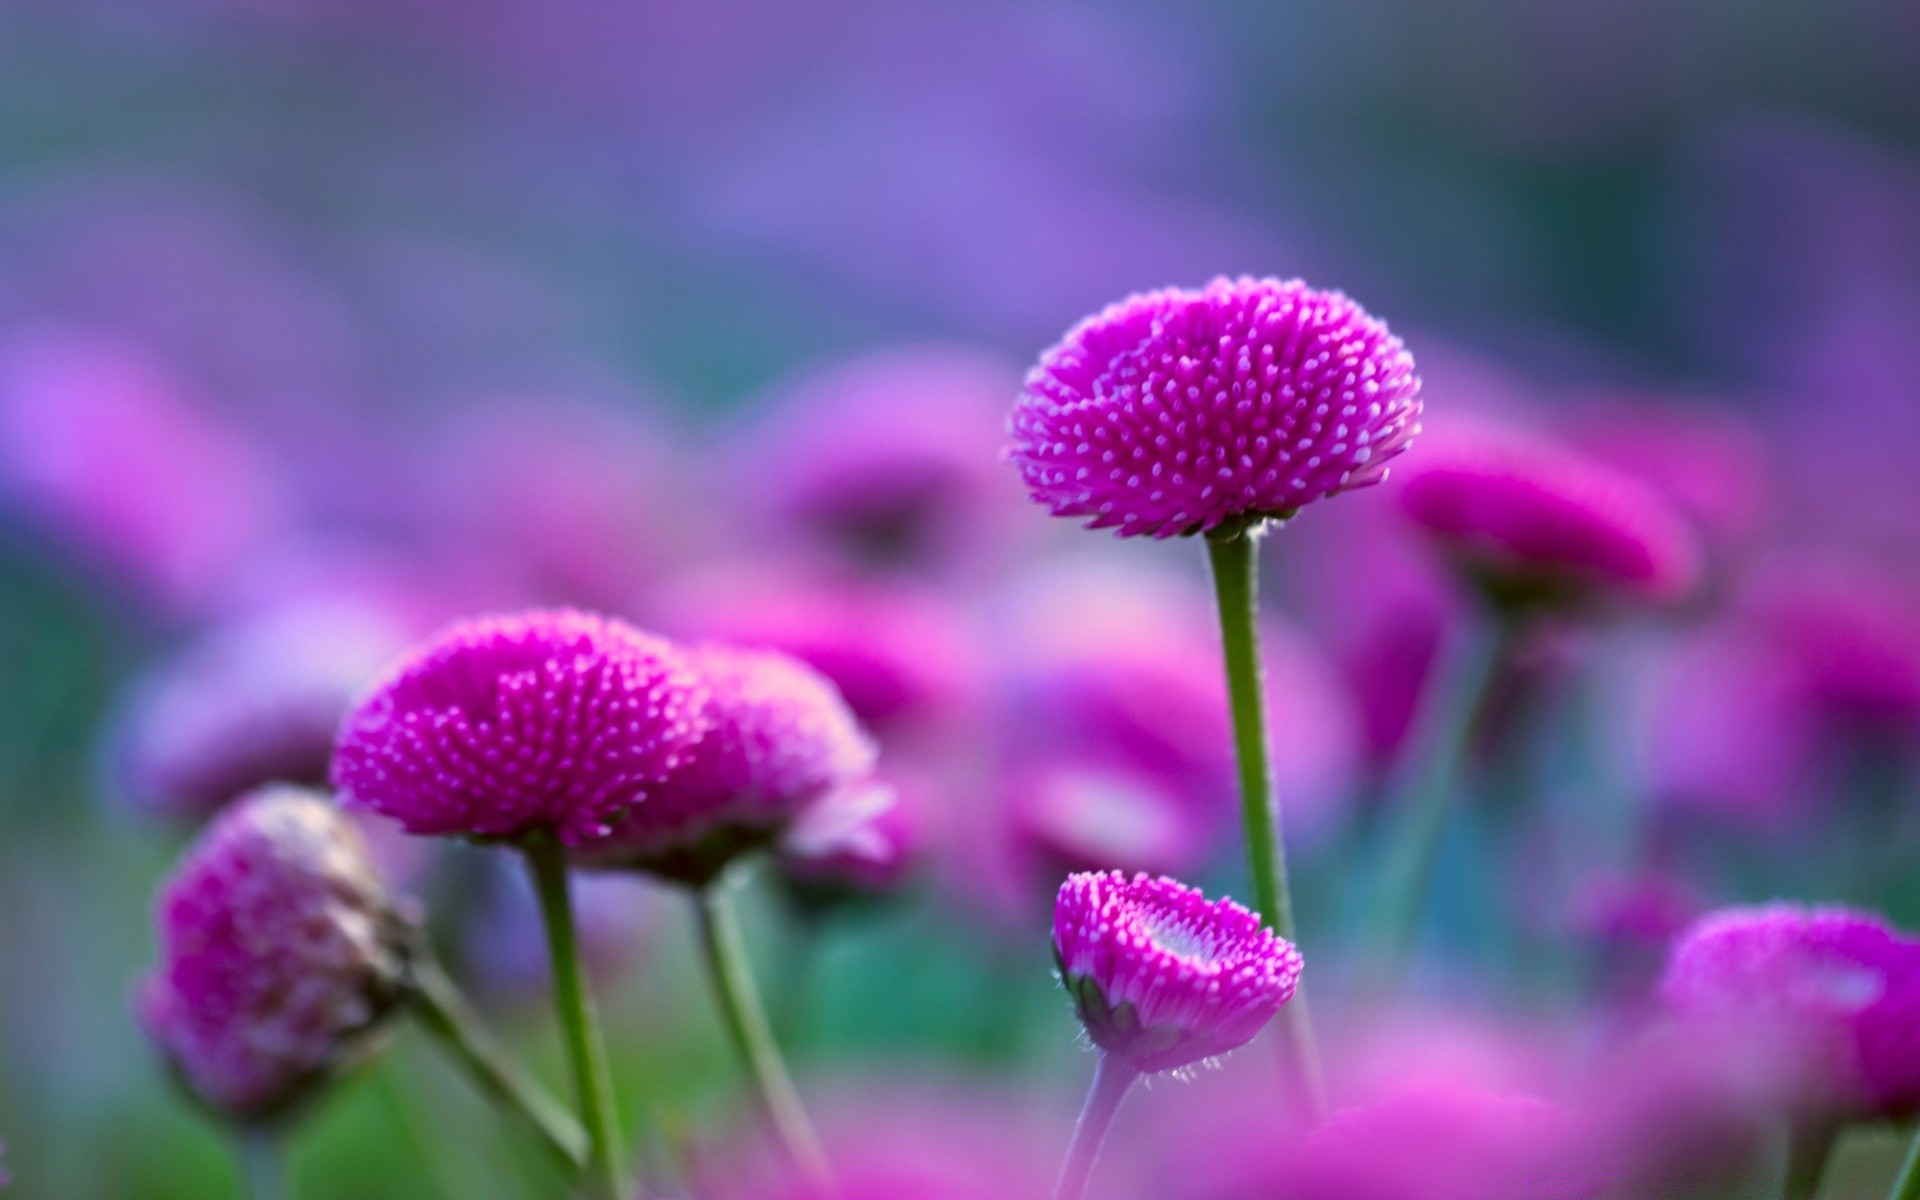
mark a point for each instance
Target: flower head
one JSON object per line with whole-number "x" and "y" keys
{"x": 250, "y": 704}
{"x": 554, "y": 721}
{"x": 1833, "y": 994}
{"x": 1161, "y": 976}
{"x": 858, "y": 841}
{"x": 1532, "y": 522}
{"x": 280, "y": 953}
{"x": 1176, "y": 411}
{"x": 888, "y": 459}
{"x": 781, "y": 737}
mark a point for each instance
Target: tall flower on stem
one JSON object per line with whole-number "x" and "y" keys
{"x": 781, "y": 739}
{"x": 1535, "y": 529}
{"x": 282, "y": 958}
{"x": 1161, "y": 978}
{"x": 540, "y": 730}
{"x": 1219, "y": 412}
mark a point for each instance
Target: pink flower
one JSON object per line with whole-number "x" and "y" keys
{"x": 1162, "y": 977}
{"x": 908, "y": 1143}
{"x": 1078, "y": 816}
{"x": 1832, "y": 995}
{"x": 888, "y": 459}
{"x": 780, "y": 737}
{"x": 1532, "y": 522}
{"x": 1115, "y": 668}
{"x": 99, "y": 442}
{"x": 503, "y": 727}
{"x": 900, "y": 655}
{"x": 248, "y": 704}
{"x": 1424, "y": 1142}
{"x": 861, "y": 840}
{"x": 280, "y": 952}
{"x": 1175, "y": 411}
{"x": 1850, "y": 634}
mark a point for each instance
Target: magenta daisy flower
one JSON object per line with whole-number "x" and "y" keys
{"x": 280, "y": 953}
{"x": 1532, "y": 522}
{"x": 550, "y": 721}
{"x": 1178, "y": 411}
{"x": 1162, "y": 977}
{"x": 781, "y": 738}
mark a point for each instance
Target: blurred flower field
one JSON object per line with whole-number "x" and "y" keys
{"x": 539, "y": 658}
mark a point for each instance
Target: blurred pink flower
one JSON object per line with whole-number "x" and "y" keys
{"x": 1067, "y": 816}
{"x": 1113, "y": 666}
{"x": 909, "y": 1143}
{"x": 573, "y": 503}
{"x": 548, "y": 721}
{"x": 1173, "y": 412}
{"x": 1710, "y": 462}
{"x": 103, "y": 445}
{"x": 889, "y": 459}
{"x": 1429, "y": 1141}
{"x": 859, "y": 841}
{"x": 901, "y": 655}
{"x": 1531, "y": 521}
{"x": 281, "y": 951}
{"x": 1162, "y": 977}
{"x": 254, "y": 702}
{"x": 779, "y": 737}
{"x": 1850, "y": 633}
{"x": 1832, "y": 995}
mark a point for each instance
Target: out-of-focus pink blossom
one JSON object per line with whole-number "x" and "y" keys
{"x": 281, "y": 951}
{"x": 1173, "y": 412}
{"x": 1531, "y": 521}
{"x": 1828, "y": 996}
{"x": 101, "y": 443}
{"x": 1117, "y": 666}
{"x": 1850, "y": 632}
{"x": 911, "y": 1143}
{"x": 1432, "y": 1141}
{"x": 900, "y": 654}
{"x": 889, "y": 460}
{"x": 1068, "y": 816}
{"x": 250, "y": 704}
{"x": 572, "y": 503}
{"x": 861, "y": 840}
{"x": 1709, "y": 462}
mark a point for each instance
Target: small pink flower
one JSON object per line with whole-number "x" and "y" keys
{"x": 248, "y": 704}
{"x": 900, "y": 655}
{"x": 101, "y": 443}
{"x": 503, "y": 727}
{"x": 1173, "y": 412}
{"x": 861, "y": 840}
{"x": 1162, "y": 977}
{"x": 1832, "y": 995}
{"x": 1532, "y": 522}
{"x": 1072, "y": 816}
{"x": 1422, "y": 1142}
{"x": 280, "y": 952}
{"x": 888, "y": 459}
{"x": 780, "y": 737}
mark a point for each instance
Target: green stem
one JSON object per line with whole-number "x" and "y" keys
{"x": 1111, "y": 1080}
{"x": 263, "y": 1164}
{"x": 547, "y": 864}
{"x": 447, "y": 1014}
{"x": 746, "y": 1021}
{"x": 1233, "y": 557}
{"x": 1906, "y": 1185}
{"x": 1809, "y": 1146}
{"x": 1449, "y": 714}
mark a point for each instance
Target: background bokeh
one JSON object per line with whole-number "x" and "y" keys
{"x": 424, "y": 307}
